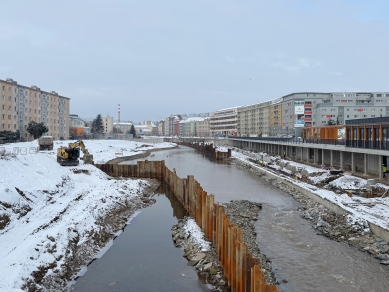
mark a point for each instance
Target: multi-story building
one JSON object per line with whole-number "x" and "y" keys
{"x": 253, "y": 120}
{"x": 122, "y": 127}
{"x": 275, "y": 117}
{"x": 161, "y": 128}
{"x": 172, "y": 125}
{"x": 224, "y": 122}
{"x": 203, "y": 128}
{"x": 108, "y": 125}
{"x": 20, "y": 105}
{"x": 188, "y": 127}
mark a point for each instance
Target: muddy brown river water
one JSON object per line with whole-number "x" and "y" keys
{"x": 306, "y": 261}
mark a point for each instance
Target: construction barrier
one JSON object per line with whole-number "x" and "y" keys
{"x": 209, "y": 148}
{"x": 240, "y": 268}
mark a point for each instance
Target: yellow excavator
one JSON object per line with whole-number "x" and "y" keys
{"x": 69, "y": 156}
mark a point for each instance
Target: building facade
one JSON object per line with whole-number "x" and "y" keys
{"x": 108, "y": 126}
{"x": 20, "y": 105}
{"x": 203, "y": 128}
{"x": 253, "y": 120}
{"x": 224, "y": 122}
{"x": 188, "y": 127}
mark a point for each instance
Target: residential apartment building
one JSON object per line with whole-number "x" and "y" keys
{"x": 20, "y": 105}
{"x": 203, "y": 128}
{"x": 188, "y": 127}
{"x": 161, "y": 128}
{"x": 108, "y": 125}
{"x": 253, "y": 120}
{"x": 224, "y": 122}
{"x": 123, "y": 127}
{"x": 172, "y": 125}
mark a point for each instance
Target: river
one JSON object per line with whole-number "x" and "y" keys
{"x": 301, "y": 259}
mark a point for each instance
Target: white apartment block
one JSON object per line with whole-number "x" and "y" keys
{"x": 224, "y": 122}
{"x": 253, "y": 120}
{"x": 108, "y": 125}
{"x": 203, "y": 128}
{"x": 122, "y": 126}
{"x": 20, "y": 105}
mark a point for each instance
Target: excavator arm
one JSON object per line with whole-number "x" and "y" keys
{"x": 69, "y": 155}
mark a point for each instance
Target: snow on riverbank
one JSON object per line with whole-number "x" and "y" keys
{"x": 44, "y": 206}
{"x": 374, "y": 210}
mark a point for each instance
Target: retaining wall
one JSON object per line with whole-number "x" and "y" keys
{"x": 241, "y": 269}
{"x": 209, "y": 148}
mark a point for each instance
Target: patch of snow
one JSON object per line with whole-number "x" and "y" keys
{"x": 191, "y": 228}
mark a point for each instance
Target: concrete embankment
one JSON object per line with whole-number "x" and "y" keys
{"x": 327, "y": 218}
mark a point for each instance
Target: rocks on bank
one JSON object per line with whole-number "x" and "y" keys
{"x": 342, "y": 228}
{"x": 204, "y": 257}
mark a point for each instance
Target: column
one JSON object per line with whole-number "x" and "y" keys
{"x": 380, "y": 173}
{"x": 365, "y": 164}
{"x": 307, "y": 149}
{"x": 352, "y": 162}
{"x": 341, "y": 160}
{"x": 331, "y": 158}
{"x": 301, "y": 150}
{"x": 322, "y": 157}
{"x": 315, "y": 155}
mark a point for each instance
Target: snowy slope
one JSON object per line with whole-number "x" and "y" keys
{"x": 48, "y": 205}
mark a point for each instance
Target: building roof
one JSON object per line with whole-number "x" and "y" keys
{"x": 193, "y": 119}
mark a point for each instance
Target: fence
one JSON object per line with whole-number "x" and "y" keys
{"x": 241, "y": 269}
{"x": 209, "y": 148}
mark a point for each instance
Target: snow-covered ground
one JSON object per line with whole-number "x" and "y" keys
{"x": 43, "y": 205}
{"x": 374, "y": 210}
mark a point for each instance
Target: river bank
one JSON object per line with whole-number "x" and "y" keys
{"x": 339, "y": 227}
{"x": 54, "y": 220}
{"x": 241, "y": 213}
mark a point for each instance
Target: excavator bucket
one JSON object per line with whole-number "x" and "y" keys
{"x": 88, "y": 159}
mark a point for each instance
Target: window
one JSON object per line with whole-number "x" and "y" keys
{"x": 386, "y": 94}
{"x": 9, "y": 117}
{"x": 9, "y": 126}
{"x": 3, "y": 97}
{"x": 373, "y": 116}
{"x": 3, "y": 106}
{"x": 3, "y": 116}
{"x": 3, "y": 89}
{"x": 379, "y": 95}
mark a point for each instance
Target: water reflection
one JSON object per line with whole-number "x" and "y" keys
{"x": 143, "y": 257}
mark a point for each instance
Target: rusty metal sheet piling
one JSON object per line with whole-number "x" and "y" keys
{"x": 240, "y": 268}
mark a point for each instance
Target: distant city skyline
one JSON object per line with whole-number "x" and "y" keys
{"x": 158, "y": 58}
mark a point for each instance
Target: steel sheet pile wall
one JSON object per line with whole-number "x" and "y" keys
{"x": 218, "y": 155}
{"x": 241, "y": 269}
{"x": 143, "y": 169}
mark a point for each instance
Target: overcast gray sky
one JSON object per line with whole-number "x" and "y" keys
{"x": 163, "y": 57}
